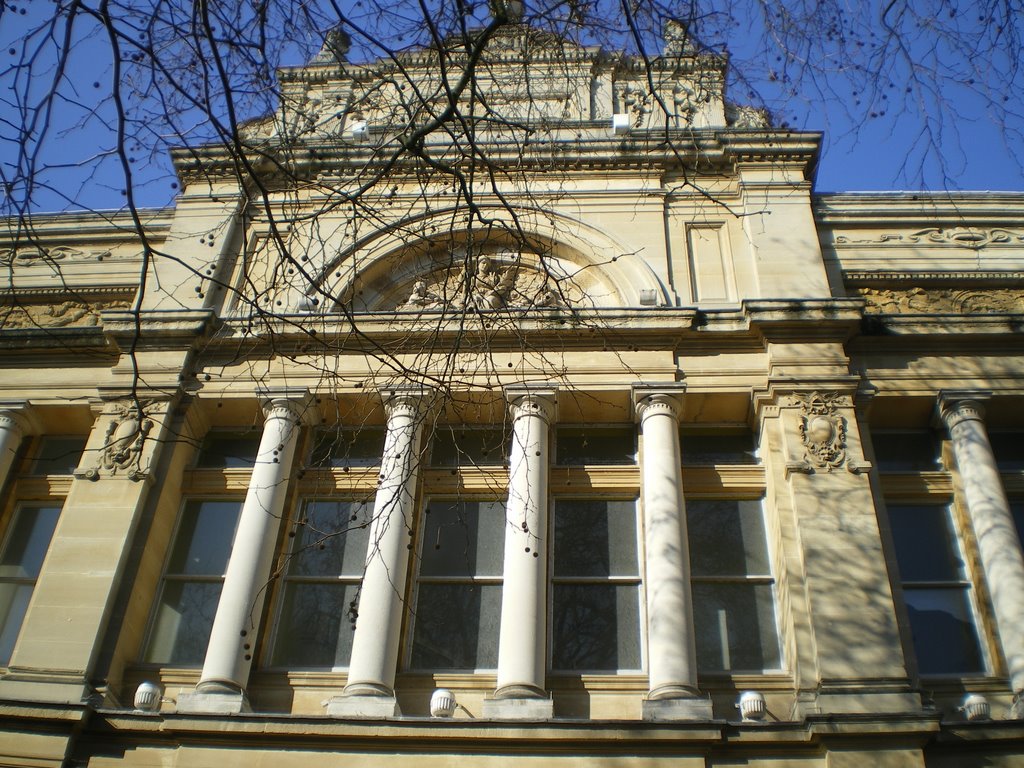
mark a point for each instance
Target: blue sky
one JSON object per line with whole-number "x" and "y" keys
{"x": 930, "y": 116}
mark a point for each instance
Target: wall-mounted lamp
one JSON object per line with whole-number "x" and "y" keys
{"x": 148, "y": 697}
{"x": 442, "y": 703}
{"x": 975, "y": 707}
{"x": 752, "y": 706}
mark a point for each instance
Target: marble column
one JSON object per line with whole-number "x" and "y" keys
{"x": 994, "y": 529}
{"x": 371, "y": 675}
{"x": 522, "y": 661}
{"x": 237, "y": 621}
{"x": 671, "y": 642}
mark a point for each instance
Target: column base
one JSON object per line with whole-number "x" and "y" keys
{"x": 364, "y": 707}
{"x": 689, "y": 708}
{"x": 519, "y": 708}
{"x": 213, "y": 703}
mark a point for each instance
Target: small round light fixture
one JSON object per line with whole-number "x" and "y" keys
{"x": 442, "y": 703}
{"x": 752, "y": 707}
{"x": 147, "y": 697}
{"x": 975, "y": 707}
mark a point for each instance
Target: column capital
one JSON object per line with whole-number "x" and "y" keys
{"x": 294, "y": 402}
{"x": 655, "y": 404}
{"x": 18, "y": 416}
{"x": 524, "y": 402}
{"x": 409, "y": 401}
{"x": 957, "y": 407}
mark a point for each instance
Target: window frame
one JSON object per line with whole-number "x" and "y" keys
{"x": 417, "y": 580}
{"x": 638, "y": 581}
{"x": 272, "y": 634}
{"x": 768, "y": 579}
{"x": 154, "y": 613}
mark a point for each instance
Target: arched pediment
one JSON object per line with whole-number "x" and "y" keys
{"x": 433, "y": 265}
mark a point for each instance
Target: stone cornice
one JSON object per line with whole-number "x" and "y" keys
{"x": 958, "y": 278}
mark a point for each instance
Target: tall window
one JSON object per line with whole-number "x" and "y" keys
{"x": 733, "y": 589}
{"x": 38, "y": 494}
{"x": 27, "y": 542}
{"x": 936, "y": 590}
{"x": 457, "y": 610}
{"x": 193, "y": 578}
{"x": 595, "y": 615}
{"x": 321, "y": 583}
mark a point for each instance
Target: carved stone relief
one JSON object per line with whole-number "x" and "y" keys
{"x": 959, "y": 236}
{"x": 63, "y": 314}
{"x": 124, "y": 442}
{"x": 822, "y": 431}
{"x": 493, "y": 285}
{"x": 970, "y": 301}
{"x": 30, "y": 254}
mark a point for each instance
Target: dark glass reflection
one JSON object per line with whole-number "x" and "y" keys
{"x": 183, "y": 623}
{"x": 735, "y": 625}
{"x": 456, "y": 626}
{"x": 726, "y": 537}
{"x": 468, "y": 447}
{"x": 595, "y": 627}
{"x": 578, "y": 446}
{"x": 204, "y": 539}
{"x": 1008, "y": 448}
{"x": 57, "y": 455}
{"x": 916, "y": 451}
{"x": 229, "y": 450}
{"x": 28, "y": 541}
{"x": 331, "y": 539}
{"x": 925, "y": 549}
{"x": 706, "y": 448}
{"x": 595, "y": 537}
{"x": 316, "y": 625}
{"x": 362, "y": 447}
{"x": 945, "y": 641}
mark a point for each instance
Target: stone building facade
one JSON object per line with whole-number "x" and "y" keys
{"x": 602, "y": 422}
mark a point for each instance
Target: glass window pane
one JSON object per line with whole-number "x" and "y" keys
{"x": 229, "y": 450}
{"x": 594, "y": 537}
{"x": 204, "y": 539}
{"x": 184, "y": 619}
{"x": 361, "y": 447}
{"x": 57, "y": 455}
{"x": 1017, "y": 508}
{"x": 925, "y": 548}
{"x": 316, "y": 625}
{"x": 942, "y": 624}
{"x": 13, "y": 605}
{"x": 735, "y": 627}
{"x": 577, "y": 446}
{"x": 1008, "y": 448}
{"x": 331, "y": 538}
{"x": 468, "y": 447}
{"x": 727, "y": 537}
{"x": 595, "y": 627}
{"x": 463, "y": 538}
{"x": 703, "y": 448}
{"x": 28, "y": 541}
{"x": 916, "y": 451}
{"x": 456, "y": 626}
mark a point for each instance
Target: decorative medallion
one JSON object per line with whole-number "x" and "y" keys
{"x": 822, "y": 431}
{"x": 124, "y": 441}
